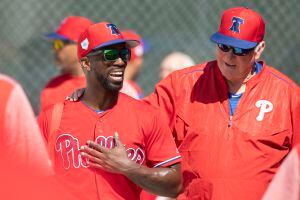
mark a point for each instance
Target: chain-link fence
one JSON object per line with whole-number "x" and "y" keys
{"x": 167, "y": 25}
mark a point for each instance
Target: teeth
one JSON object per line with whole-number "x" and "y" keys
{"x": 117, "y": 73}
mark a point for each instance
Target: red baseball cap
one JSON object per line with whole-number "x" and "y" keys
{"x": 137, "y": 51}
{"x": 101, "y": 35}
{"x": 70, "y": 28}
{"x": 240, "y": 27}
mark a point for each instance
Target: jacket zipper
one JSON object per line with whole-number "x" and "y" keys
{"x": 230, "y": 121}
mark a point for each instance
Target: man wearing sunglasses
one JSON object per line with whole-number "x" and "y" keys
{"x": 109, "y": 145}
{"x": 234, "y": 119}
{"x": 64, "y": 43}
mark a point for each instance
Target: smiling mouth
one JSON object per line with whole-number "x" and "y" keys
{"x": 229, "y": 65}
{"x": 116, "y": 76}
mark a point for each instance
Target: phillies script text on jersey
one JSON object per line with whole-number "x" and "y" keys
{"x": 69, "y": 149}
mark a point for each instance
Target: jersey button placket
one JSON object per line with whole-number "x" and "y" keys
{"x": 99, "y": 127}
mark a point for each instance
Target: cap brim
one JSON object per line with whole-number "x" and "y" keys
{"x": 234, "y": 42}
{"x": 130, "y": 43}
{"x": 53, "y": 36}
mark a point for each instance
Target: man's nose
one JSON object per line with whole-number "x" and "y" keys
{"x": 230, "y": 53}
{"x": 120, "y": 61}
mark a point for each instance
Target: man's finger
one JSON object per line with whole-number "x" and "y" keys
{"x": 96, "y": 146}
{"x": 117, "y": 140}
{"x": 80, "y": 92}
{"x": 91, "y": 151}
{"x": 91, "y": 159}
{"x": 96, "y": 166}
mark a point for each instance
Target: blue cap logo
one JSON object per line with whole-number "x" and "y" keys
{"x": 113, "y": 28}
{"x": 236, "y": 23}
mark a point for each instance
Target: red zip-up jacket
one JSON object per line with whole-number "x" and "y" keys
{"x": 229, "y": 157}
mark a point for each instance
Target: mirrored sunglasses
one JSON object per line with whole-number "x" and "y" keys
{"x": 235, "y": 50}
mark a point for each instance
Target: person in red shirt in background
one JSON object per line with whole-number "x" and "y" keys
{"x": 71, "y": 77}
{"x": 130, "y": 87}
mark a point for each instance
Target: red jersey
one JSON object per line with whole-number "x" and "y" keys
{"x": 229, "y": 157}
{"x": 148, "y": 141}
{"x": 58, "y": 88}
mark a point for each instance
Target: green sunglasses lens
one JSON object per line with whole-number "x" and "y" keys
{"x": 125, "y": 54}
{"x": 111, "y": 54}
{"x": 114, "y": 54}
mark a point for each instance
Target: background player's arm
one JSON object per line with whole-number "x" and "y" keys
{"x": 165, "y": 181}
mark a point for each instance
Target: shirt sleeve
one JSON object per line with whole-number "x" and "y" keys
{"x": 24, "y": 141}
{"x": 161, "y": 150}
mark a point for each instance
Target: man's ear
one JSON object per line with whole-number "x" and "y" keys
{"x": 85, "y": 64}
{"x": 259, "y": 49}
